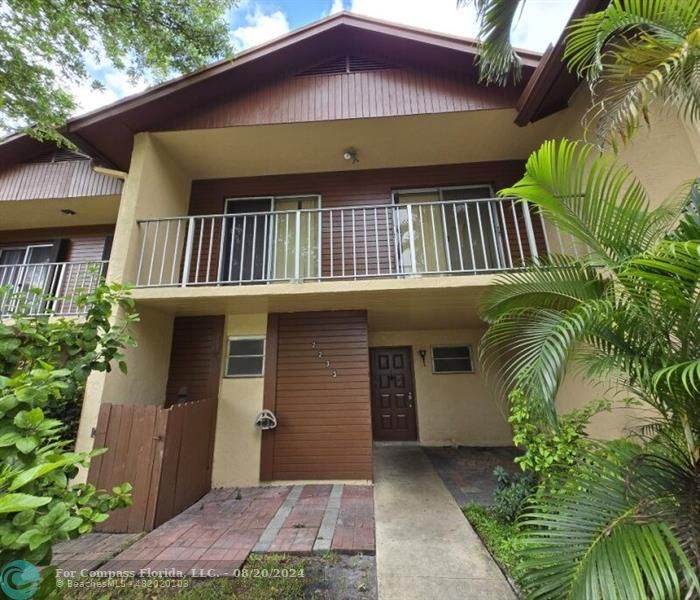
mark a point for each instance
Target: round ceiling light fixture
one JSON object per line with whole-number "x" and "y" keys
{"x": 68, "y": 211}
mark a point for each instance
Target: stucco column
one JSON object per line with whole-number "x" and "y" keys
{"x": 156, "y": 186}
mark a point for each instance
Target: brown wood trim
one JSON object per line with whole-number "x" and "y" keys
{"x": 552, "y": 84}
{"x": 51, "y": 233}
{"x": 267, "y": 447}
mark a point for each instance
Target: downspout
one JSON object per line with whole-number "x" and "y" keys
{"x": 110, "y": 172}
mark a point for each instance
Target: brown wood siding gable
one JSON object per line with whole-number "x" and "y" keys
{"x": 64, "y": 179}
{"x": 364, "y": 94}
{"x": 321, "y": 401}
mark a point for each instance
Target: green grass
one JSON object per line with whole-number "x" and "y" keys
{"x": 239, "y": 588}
{"x": 499, "y": 538}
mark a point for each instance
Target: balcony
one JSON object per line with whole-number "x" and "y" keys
{"x": 48, "y": 288}
{"x": 346, "y": 243}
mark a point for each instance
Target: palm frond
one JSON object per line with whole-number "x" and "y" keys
{"x": 603, "y": 538}
{"x": 530, "y": 348}
{"x": 635, "y": 52}
{"x": 498, "y": 60}
{"x": 593, "y": 198}
{"x": 558, "y": 282}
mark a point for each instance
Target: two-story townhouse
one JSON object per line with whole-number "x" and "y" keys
{"x": 309, "y": 229}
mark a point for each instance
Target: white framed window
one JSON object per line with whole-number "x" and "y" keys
{"x": 455, "y": 358}
{"x": 245, "y": 357}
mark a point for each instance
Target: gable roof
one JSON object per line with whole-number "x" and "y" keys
{"x": 107, "y": 133}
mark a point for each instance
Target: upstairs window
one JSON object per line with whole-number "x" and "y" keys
{"x": 246, "y": 357}
{"x": 452, "y": 359}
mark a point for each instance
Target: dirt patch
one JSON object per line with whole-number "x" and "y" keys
{"x": 340, "y": 577}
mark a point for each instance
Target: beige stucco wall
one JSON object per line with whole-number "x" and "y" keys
{"x": 664, "y": 157}
{"x": 237, "y": 442}
{"x": 451, "y": 408}
{"x": 157, "y": 186}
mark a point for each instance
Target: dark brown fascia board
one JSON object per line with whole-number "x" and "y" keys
{"x": 552, "y": 80}
{"x": 466, "y": 45}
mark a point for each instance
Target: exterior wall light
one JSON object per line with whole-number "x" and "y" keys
{"x": 351, "y": 155}
{"x": 423, "y": 354}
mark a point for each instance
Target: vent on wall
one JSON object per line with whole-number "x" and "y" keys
{"x": 59, "y": 156}
{"x": 346, "y": 64}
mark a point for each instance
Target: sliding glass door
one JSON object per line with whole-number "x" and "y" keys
{"x": 25, "y": 270}
{"x": 270, "y": 238}
{"x": 296, "y": 239}
{"x": 245, "y": 255}
{"x": 448, "y": 230}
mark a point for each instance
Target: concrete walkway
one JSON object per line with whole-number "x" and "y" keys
{"x": 425, "y": 546}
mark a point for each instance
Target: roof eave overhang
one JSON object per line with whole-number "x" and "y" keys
{"x": 552, "y": 84}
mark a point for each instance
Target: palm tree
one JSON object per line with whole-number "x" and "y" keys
{"x": 627, "y": 524}
{"x": 632, "y": 53}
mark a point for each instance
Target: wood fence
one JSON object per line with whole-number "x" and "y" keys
{"x": 165, "y": 453}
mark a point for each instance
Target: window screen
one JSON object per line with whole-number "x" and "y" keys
{"x": 452, "y": 359}
{"x": 245, "y": 357}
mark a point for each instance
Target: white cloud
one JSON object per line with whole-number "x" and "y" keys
{"x": 539, "y": 24}
{"x": 117, "y": 86}
{"x": 438, "y": 15}
{"x": 259, "y": 27}
{"x": 336, "y": 7}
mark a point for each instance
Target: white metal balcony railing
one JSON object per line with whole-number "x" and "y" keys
{"x": 389, "y": 240}
{"x": 47, "y": 288}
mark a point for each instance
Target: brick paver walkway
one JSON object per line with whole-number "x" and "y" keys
{"x": 216, "y": 535}
{"x": 91, "y": 550}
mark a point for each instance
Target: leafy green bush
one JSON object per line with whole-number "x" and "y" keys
{"x": 92, "y": 345}
{"x": 550, "y": 449}
{"x": 511, "y": 493}
{"x": 44, "y": 364}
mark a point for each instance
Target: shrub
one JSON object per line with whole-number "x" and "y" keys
{"x": 44, "y": 364}
{"x": 550, "y": 450}
{"x": 511, "y": 493}
{"x": 92, "y": 343}
{"x": 500, "y": 538}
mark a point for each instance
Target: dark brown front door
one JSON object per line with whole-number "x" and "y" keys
{"x": 393, "y": 396}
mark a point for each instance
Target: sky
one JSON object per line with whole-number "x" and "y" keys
{"x": 254, "y": 22}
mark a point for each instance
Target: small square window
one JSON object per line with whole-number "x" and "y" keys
{"x": 246, "y": 357}
{"x": 452, "y": 359}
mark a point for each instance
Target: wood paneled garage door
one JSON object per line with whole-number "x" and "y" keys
{"x": 317, "y": 383}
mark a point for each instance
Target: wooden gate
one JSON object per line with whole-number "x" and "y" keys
{"x": 165, "y": 453}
